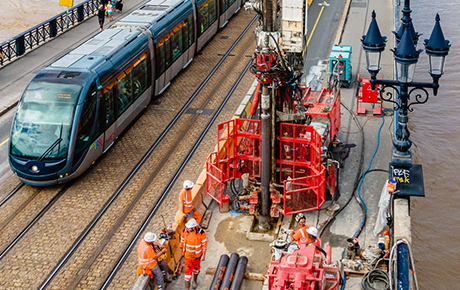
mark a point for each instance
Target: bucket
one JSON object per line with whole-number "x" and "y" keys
{"x": 225, "y": 206}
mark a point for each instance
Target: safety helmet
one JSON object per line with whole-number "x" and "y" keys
{"x": 188, "y": 184}
{"x": 299, "y": 216}
{"x": 312, "y": 231}
{"x": 191, "y": 224}
{"x": 150, "y": 237}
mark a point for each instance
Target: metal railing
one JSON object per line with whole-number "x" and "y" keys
{"x": 17, "y": 46}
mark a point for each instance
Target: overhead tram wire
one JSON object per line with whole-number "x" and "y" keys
{"x": 164, "y": 194}
{"x": 106, "y": 206}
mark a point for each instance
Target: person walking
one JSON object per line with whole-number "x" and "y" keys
{"x": 147, "y": 257}
{"x": 185, "y": 202}
{"x": 193, "y": 243}
{"x": 101, "y": 16}
{"x": 119, "y": 5}
{"x": 109, "y": 10}
{"x": 302, "y": 231}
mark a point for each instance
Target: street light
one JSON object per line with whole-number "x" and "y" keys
{"x": 406, "y": 57}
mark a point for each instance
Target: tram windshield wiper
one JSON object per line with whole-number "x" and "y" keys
{"x": 57, "y": 142}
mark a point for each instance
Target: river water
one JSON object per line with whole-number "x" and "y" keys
{"x": 434, "y": 126}
{"x": 435, "y": 131}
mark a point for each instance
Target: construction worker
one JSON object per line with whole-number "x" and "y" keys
{"x": 302, "y": 231}
{"x": 148, "y": 259}
{"x": 185, "y": 202}
{"x": 313, "y": 238}
{"x": 162, "y": 261}
{"x": 193, "y": 243}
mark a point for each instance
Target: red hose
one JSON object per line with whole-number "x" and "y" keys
{"x": 255, "y": 101}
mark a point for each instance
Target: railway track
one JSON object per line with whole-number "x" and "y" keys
{"x": 9, "y": 195}
{"x": 141, "y": 192}
{"x": 82, "y": 237}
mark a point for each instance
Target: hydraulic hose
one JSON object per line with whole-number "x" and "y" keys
{"x": 376, "y": 275}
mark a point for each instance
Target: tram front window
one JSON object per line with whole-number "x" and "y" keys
{"x": 45, "y": 115}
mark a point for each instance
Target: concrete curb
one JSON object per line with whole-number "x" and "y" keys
{"x": 6, "y": 109}
{"x": 338, "y": 36}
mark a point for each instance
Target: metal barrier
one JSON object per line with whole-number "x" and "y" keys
{"x": 12, "y": 49}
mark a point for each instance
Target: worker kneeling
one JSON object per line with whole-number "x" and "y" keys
{"x": 193, "y": 243}
{"x": 302, "y": 231}
{"x": 185, "y": 202}
{"x": 148, "y": 263}
{"x": 313, "y": 238}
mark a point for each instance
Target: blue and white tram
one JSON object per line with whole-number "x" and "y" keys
{"x": 73, "y": 110}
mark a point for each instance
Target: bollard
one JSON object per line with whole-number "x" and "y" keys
{"x": 225, "y": 207}
{"x": 20, "y": 45}
{"x": 228, "y": 277}
{"x": 53, "y": 27}
{"x": 80, "y": 14}
{"x": 239, "y": 273}
{"x": 220, "y": 272}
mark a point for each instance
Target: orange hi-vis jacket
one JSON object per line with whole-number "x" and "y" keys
{"x": 193, "y": 243}
{"x": 301, "y": 233}
{"x": 146, "y": 255}
{"x": 185, "y": 196}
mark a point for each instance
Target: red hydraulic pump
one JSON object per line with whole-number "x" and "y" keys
{"x": 264, "y": 62}
{"x": 303, "y": 269}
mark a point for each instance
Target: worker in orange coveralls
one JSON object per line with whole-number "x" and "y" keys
{"x": 185, "y": 202}
{"x": 148, "y": 259}
{"x": 302, "y": 231}
{"x": 193, "y": 243}
{"x": 313, "y": 238}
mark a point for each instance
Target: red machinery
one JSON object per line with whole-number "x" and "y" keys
{"x": 303, "y": 269}
{"x": 365, "y": 94}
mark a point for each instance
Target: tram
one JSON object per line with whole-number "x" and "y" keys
{"x": 73, "y": 110}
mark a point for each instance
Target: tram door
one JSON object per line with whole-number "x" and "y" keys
{"x": 108, "y": 114}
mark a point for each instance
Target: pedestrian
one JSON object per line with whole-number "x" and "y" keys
{"x": 313, "y": 238}
{"x": 109, "y": 10}
{"x": 193, "y": 243}
{"x": 119, "y": 5}
{"x": 101, "y": 16}
{"x": 185, "y": 202}
{"x": 148, "y": 263}
{"x": 302, "y": 231}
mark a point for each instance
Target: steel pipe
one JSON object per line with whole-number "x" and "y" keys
{"x": 220, "y": 272}
{"x": 228, "y": 277}
{"x": 239, "y": 273}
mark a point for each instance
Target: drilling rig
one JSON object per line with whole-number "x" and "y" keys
{"x": 283, "y": 152}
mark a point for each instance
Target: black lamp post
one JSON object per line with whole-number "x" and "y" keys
{"x": 406, "y": 57}
{"x": 408, "y": 175}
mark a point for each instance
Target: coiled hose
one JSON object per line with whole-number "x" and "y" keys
{"x": 376, "y": 275}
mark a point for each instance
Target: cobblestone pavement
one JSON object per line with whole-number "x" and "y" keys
{"x": 44, "y": 245}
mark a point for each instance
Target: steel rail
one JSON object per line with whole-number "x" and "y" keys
{"x": 106, "y": 206}
{"x": 34, "y": 221}
{"x": 164, "y": 194}
{"x": 13, "y": 192}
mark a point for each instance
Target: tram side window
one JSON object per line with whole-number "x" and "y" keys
{"x": 167, "y": 51}
{"x": 176, "y": 42}
{"x": 86, "y": 123}
{"x": 207, "y": 15}
{"x": 160, "y": 58}
{"x": 108, "y": 116}
{"x": 140, "y": 76}
{"x": 124, "y": 91}
{"x": 191, "y": 32}
{"x": 185, "y": 38}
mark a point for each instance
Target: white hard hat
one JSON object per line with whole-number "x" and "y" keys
{"x": 312, "y": 231}
{"x": 188, "y": 184}
{"x": 150, "y": 237}
{"x": 191, "y": 224}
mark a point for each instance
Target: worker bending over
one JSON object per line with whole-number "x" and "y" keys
{"x": 185, "y": 202}
{"x": 313, "y": 238}
{"x": 302, "y": 231}
{"x": 193, "y": 243}
{"x": 148, "y": 259}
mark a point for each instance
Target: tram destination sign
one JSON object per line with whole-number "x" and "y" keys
{"x": 409, "y": 180}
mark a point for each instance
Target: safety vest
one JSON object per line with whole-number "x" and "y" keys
{"x": 146, "y": 255}
{"x": 193, "y": 243}
{"x": 317, "y": 243}
{"x": 301, "y": 233}
{"x": 185, "y": 196}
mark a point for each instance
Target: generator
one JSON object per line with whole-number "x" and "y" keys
{"x": 340, "y": 64}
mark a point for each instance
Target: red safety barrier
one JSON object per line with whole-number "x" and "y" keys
{"x": 301, "y": 170}
{"x": 214, "y": 176}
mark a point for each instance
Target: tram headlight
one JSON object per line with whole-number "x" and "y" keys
{"x": 34, "y": 168}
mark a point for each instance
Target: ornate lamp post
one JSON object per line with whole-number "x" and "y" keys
{"x": 406, "y": 57}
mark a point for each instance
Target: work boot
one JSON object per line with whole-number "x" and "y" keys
{"x": 194, "y": 283}
{"x": 187, "y": 285}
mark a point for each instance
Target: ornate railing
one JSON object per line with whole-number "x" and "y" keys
{"x": 12, "y": 49}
